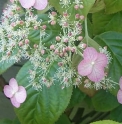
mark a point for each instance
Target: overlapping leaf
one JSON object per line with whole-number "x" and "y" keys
{"x": 103, "y": 22}
{"x": 42, "y": 106}
{"x": 113, "y": 6}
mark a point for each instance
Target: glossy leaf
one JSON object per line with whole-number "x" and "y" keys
{"x": 105, "y": 122}
{"x": 77, "y": 97}
{"x": 116, "y": 114}
{"x": 113, "y": 6}
{"x": 104, "y": 101}
{"x": 63, "y": 120}
{"x": 99, "y": 5}
{"x": 44, "y": 106}
{"x": 103, "y": 22}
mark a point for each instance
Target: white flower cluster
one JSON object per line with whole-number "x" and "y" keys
{"x": 16, "y": 44}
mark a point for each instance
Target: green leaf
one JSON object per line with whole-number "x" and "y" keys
{"x": 42, "y": 107}
{"x": 103, "y": 22}
{"x": 87, "y": 6}
{"x": 105, "y": 122}
{"x": 4, "y": 66}
{"x": 99, "y": 5}
{"x": 113, "y": 41}
{"x": 77, "y": 97}
{"x": 51, "y": 32}
{"x": 16, "y": 121}
{"x": 113, "y": 6}
{"x": 116, "y": 114}
{"x": 5, "y": 121}
{"x": 63, "y": 120}
{"x": 104, "y": 101}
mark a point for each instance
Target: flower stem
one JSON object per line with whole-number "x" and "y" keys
{"x": 86, "y": 31}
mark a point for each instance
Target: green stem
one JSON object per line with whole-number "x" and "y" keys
{"x": 86, "y": 31}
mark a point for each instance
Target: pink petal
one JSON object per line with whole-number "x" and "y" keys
{"x": 97, "y": 74}
{"x": 90, "y": 54}
{"x": 120, "y": 83}
{"x": 27, "y": 3}
{"x": 21, "y": 94}
{"x": 8, "y": 91}
{"x": 119, "y": 96}
{"x": 13, "y": 84}
{"x": 85, "y": 67}
{"x": 12, "y": 1}
{"x": 102, "y": 60}
{"x": 40, "y": 4}
{"x": 14, "y": 102}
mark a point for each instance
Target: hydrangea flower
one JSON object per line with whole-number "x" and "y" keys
{"x": 93, "y": 64}
{"x": 37, "y": 4}
{"x": 119, "y": 94}
{"x": 17, "y": 94}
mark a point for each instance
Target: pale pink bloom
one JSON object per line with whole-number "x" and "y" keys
{"x": 93, "y": 64}
{"x": 119, "y": 94}
{"x": 37, "y": 4}
{"x": 17, "y": 94}
{"x": 12, "y": 1}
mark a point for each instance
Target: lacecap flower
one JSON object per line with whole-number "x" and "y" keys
{"x": 37, "y": 4}
{"x": 17, "y": 94}
{"x": 119, "y": 94}
{"x": 93, "y": 64}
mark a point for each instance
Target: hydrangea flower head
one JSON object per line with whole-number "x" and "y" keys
{"x": 37, "y": 4}
{"x": 93, "y": 64}
{"x": 17, "y": 94}
{"x": 119, "y": 94}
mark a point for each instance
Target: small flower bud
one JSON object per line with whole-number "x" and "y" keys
{"x": 53, "y": 22}
{"x": 82, "y": 17}
{"x": 73, "y": 49}
{"x": 35, "y": 46}
{"x": 77, "y": 16}
{"x": 53, "y": 13}
{"x": 20, "y": 43}
{"x": 9, "y": 53}
{"x": 42, "y": 52}
{"x": 65, "y": 40}
{"x": 80, "y": 38}
{"x": 56, "y": 51}
{"x": 81, "y": 6}
{"x": 76, "y": 7}
{"x": 60, "y": 64}
{"x": 61, "y": 54}
{"x": 84, "y": 45}
{"x": 65, "y": 14}
{"x": 52, "y": 47}
{"x": 58, "y": 38}
{"x": 35, "y": 27}
{"x": 21, "y": 22}
{"x": 26, "y": 41}
{"x": 44, "y": 27}
{"x": 13, "y": 24}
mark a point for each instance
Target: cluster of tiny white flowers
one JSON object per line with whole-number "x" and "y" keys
{"x": 105, "y": 83}
{"x": 65, "y": 3}
{"x": 16, "y": 45}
